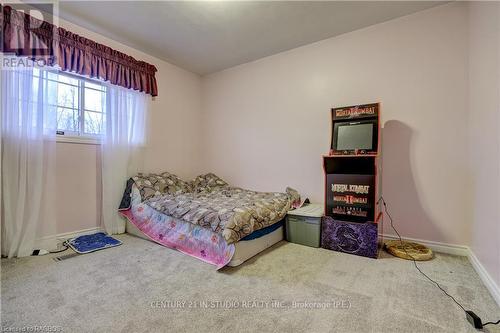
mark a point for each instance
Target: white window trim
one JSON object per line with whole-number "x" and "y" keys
{"x": 77, "y": 139}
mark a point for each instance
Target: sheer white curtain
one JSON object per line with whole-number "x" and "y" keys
{"x": 28, "y": 141}
{"x": 122, "y": 146}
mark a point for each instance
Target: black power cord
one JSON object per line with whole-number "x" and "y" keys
{"x": 492, "y": 323}
{"x": 470, "y": 315}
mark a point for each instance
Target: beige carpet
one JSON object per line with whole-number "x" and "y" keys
{"x": 128, "y": 289}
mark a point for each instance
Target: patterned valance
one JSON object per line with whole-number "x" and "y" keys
{"x": 24, "y": 35}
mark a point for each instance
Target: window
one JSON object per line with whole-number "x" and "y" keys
{"x": 80, "y": 104}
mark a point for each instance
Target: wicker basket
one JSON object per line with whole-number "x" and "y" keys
{"x": 408, "y": 250}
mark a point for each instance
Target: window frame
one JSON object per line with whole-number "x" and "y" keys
{"x": 80, "y": 136}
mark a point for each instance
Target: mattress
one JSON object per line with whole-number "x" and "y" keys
{"x": 244, "y": 249}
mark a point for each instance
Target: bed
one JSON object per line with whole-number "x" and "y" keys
{"x": 205, "y": 218}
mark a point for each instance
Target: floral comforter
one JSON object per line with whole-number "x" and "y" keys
{"x": 211, "y": 203}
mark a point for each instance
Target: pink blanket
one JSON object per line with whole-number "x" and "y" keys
{"x": 185, "y": 237}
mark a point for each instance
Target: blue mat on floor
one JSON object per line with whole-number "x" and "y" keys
{"x": 91, "y": 243}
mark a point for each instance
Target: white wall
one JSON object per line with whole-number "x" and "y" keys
{"x": 484, "y": 133}
{"x": 267, "y": 123}
{"x": 76, "y": 186}
{"x": 173, "y": 143}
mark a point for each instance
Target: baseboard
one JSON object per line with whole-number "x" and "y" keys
{"x": 463, "y": 251}
{"x": 458, "y": 250}
{"x": 488, "y": 281}
{"x": 50, "y": 242}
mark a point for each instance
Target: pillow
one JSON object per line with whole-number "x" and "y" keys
{"x": 172, "y": 184}
{"x": 207, "y": 182}
{"x": 152, "y": 184}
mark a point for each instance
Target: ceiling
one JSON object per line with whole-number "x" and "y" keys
{"x": 208, "y": 36}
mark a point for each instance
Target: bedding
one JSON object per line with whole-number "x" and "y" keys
{"x": 211, "y": 203}
{"x": 176, "y": 234}
{"x": 243, "y": 250}
{"x": 264, "y": 231}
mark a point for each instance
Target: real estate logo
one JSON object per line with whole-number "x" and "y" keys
{"x": 27, "y": 34}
